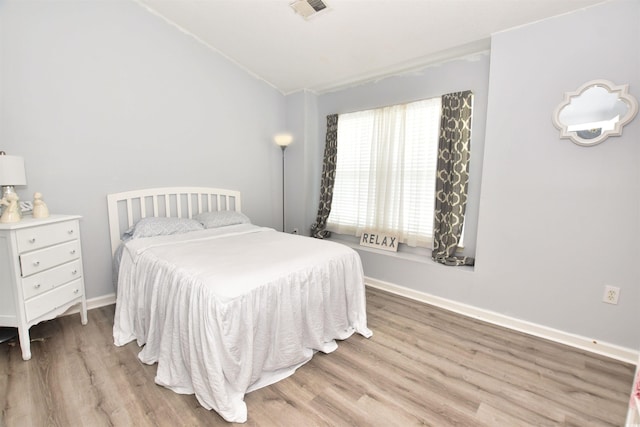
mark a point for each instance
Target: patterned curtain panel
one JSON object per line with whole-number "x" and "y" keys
{"x": 452, "y": 178}
{"x": 319, "y": 228}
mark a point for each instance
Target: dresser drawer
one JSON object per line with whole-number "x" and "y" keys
{"x": 49, "y": 279}
{"x": 42, "y": 259}
{"x": 46, "y": 235}
{"x": 53, "y": 299}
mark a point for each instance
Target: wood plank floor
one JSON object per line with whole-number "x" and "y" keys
{"x": 423, "y": 366}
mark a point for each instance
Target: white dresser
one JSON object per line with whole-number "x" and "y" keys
{"x": 40, "y": 272}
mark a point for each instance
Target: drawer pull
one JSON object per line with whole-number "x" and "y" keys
{"x": 71, "y": 231}
{"x": 75, "y": 291}
{"x": 72, "y": 251}
{"x": 74, "y": 271}
{"x": 32, "y": 240}
{"x": 37, "y": 286}
{"x": 36, "y": 263}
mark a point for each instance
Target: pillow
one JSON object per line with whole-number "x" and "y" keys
{"x": 149, "y": 227}
{"x": 221, "y": 218}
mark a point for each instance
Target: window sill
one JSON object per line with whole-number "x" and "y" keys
{"x": 419, "y": 255}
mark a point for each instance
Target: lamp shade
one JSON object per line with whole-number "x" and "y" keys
{"x": 283, "y": 139}
{"x": 12, "y": 170}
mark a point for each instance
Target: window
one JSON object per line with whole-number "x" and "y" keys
{"x": 385, "y": 171}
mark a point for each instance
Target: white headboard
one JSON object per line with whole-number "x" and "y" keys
{"x": 183, "y": 202}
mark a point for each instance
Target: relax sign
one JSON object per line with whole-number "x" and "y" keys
{"x": 374, "y": 239}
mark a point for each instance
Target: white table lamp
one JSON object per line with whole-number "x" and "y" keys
{"x": 12, "y": 173}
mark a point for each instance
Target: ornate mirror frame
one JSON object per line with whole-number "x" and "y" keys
{"x": 600, "y": 135}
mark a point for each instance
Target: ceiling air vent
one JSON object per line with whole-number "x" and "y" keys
{"x": 308, "y": 8}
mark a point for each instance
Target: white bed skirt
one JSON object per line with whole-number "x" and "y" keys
{"x": 264, "y": 303}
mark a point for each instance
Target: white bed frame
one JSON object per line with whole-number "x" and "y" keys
{"x": 182, "y": 202}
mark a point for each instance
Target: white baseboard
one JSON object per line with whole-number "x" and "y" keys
{"x": 101, "y": 301}
{"x": 605, "y": 349}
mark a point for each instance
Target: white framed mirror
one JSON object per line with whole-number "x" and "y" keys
{"x": 595, "y": 111}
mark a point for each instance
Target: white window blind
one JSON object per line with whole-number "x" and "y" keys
{"x": 385, "y": 172}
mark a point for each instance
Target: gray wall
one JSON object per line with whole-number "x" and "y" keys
{"x": 302, "y": 165}
{"x": 559, "y": 221}
{"x": 101, "y": 97}
{"x": 555, "y": 221}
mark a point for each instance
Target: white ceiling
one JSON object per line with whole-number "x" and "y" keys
{"x": 353, "y": 41}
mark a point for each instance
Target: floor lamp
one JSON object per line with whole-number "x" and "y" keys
{"x": 283, "y": 140}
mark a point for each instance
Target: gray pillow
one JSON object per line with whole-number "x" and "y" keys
{"x": 149, "y": 227}
{"x": 221, "y": 218}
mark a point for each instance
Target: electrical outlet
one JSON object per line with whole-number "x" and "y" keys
{"x": 611, "y": 294}
{"x": 295, "y": 231}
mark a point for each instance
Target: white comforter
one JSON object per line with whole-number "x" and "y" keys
{"x": 226, "y": 311}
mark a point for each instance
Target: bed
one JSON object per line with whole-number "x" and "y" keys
{"x": 229, "y": 307}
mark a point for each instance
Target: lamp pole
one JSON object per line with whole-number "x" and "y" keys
{"x": 284, "y": 147}
{"x": 283, "y": 140}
